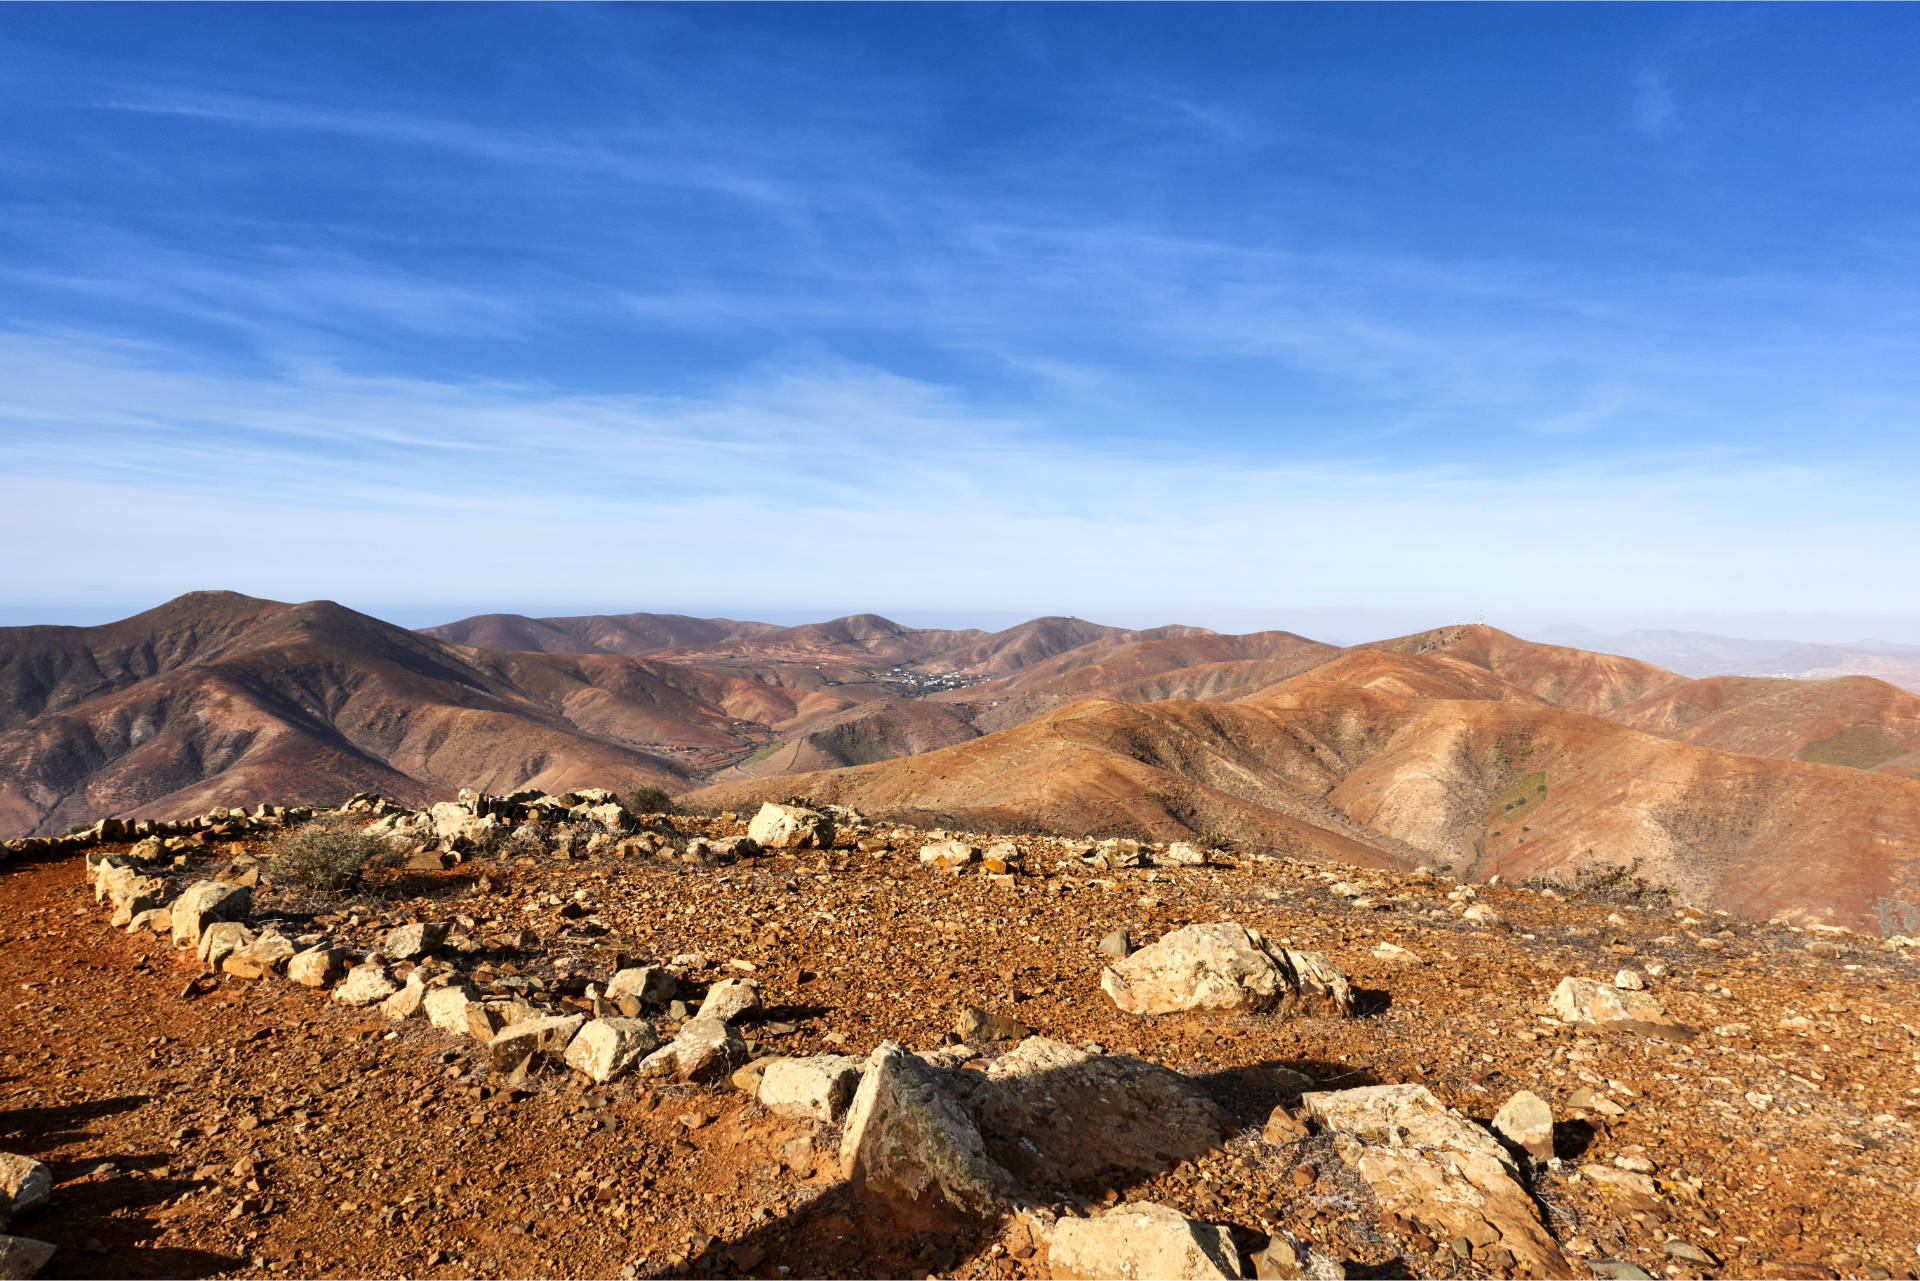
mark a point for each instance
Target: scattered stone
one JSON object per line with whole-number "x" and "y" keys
{"x": 533, "y": 1039}
{"x": 817, "y": 1088}
{"x": 1184, "y": 854}
{"x": 1585, "y": 1100}
{"x": 220, "y": 940}
{"x": 446, "y": 1009}
{"x": 21, "y": 1258}
{"x": 729, "y": 999}
{"x": 949, "y": 853}
{"x": 1688, "y": 1252}
{"x": 1142, "y": 1240}
{"x": 907, "y": 1136}
{"x": 1526, "y": 1121}
{"x": 606, "y": 1048}
{"x": 975, "y": 1026}
{"x": 267, "y": 955}
{"x": 24, "y": 1182}
{"x": 317, "y": 966}
{"x": 1118, "y": 944}
{"x": 651, "y": 986}
{"x": 1286, "y": 1257}
{"x": 1630, "y": 981}
{"x": 1394, "y": 954}
{"x": 1224, "y": 966}
{"x": 790, "y": 827}
{"x": 1586, "y": 1004}
{"x": 411, "y": 942}
{"x": 704, "y": 1050}
{"x": 407, "y": 1002}
{"x": 366, "y": 984}
{"x": 204, "y": 903}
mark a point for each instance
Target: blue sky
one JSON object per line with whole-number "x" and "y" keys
{"x": 1224, "y": 315}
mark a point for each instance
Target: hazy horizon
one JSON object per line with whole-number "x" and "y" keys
{"x": 1333, "y": 624}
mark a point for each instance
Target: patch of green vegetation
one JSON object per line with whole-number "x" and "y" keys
{"x": 1522, "y": 796}
{"x": 760, "y": 754}
{"x": 1860, "y": 746}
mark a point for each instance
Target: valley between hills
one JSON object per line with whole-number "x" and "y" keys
{"x": 1463, "y": 748}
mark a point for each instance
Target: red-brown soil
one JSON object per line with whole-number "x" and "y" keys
{"x": 256, "y": 1129}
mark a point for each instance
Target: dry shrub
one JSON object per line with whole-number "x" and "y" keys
{"x": 327, "y": 858}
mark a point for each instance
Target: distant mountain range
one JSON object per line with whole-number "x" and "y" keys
{"x": 1703, "y": 654}
{"x": 1464, "y": 746}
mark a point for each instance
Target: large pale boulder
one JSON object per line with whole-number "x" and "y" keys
{"x": 1141, "y": 1241}
{"x": 1602, "y": 1007}
{"x": 816, "y": 1088}
{"x": 538, "y": 1038}
{"x": 605, "y": 1048}
{"x": 791, "y": 827}
{"x": 1224, "y": 966}
{"x": 1440, "y": 1171}
{"x": 204, "y": 903}
{"x": 703, "y": 1050}
{"x": 1042, "y": 1117}
{"x": 907, "y": 1136}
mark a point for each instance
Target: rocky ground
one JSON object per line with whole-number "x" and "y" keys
{"x": 208, "y": 1124}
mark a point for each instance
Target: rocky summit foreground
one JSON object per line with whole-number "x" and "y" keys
{"x": 558, "y": 1038}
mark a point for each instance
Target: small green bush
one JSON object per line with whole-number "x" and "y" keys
{"x": 326, "y": 860}
{"x": 649, "y": 800}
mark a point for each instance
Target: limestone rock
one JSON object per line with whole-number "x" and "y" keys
{"x": 1286, "y": 1257}
{"x": 1117, "y": 944}
{"x": 1585, "y": 1003}
{"x": 24, "y": 1182}
{"x": 204, "y": 903}
{"x": 411, "y": 942}
{"x": 1052, "y": 1114}
{"x": 220, "y": 940}
{"x": 539, "y": 1038}
{"x": 317, "y": 966}
{"x": 907, "y": 1136}
{"x": 366, "y": 984}
{"x": 1394, "y": 954}
{"x": 605, "y": 1048}
{"x": 729, "y": 999}
{"x": 1526, "y": 1121}
{"x": 1223, "y": 966}
{"x": 1003, "y": 857}
{"x": 791, "y": 827}
{"x": 22, "y": 1257}
{"x": 1432, "y": 1166}
{"x": 1120, "y": 851}
{"x": 817, "y": 1088}
{"x": 975, "y": 1026}
{"x": 1141, "y": 1241}
{"x": 704, "y": 1050}
{"x": 650, "y": 985}
{"x": 1184, "y": 854}
{"x": 446, "y": 1009}
{"x": 407, "y": 1002}
{"x": 267, "y": 955}
{"x": 949, "y": 853}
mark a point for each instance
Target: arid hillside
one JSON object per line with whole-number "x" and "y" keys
{"x": 217, "y": 694}
{"x": 1463, "y": 748}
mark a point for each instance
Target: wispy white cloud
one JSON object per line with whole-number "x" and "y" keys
{"x": 849, "y": 484}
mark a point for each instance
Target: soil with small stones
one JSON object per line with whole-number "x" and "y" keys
{"x": 258, "y": 1129}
